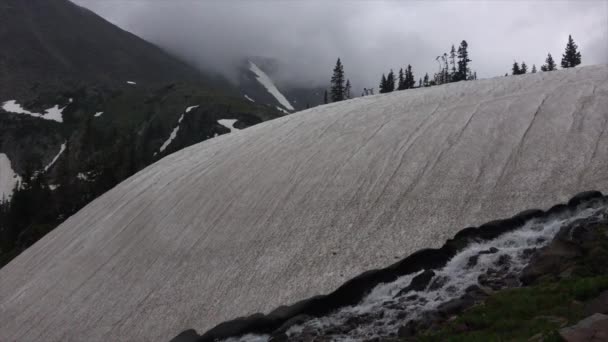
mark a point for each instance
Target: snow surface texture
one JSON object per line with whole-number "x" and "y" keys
{"x": 8, "y": 178}
{"x": 292, "y": 207}
{"x": 269, "y": 85}
{"x": 54, "y": 113}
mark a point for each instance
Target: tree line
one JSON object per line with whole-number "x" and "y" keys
{"x": 570, "y": 58}
{"x": 454, "y": 66}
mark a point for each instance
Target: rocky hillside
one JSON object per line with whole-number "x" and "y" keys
{"x": 84, "y": 105}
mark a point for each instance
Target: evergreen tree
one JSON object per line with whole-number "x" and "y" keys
{"x": 534, "y": 68}
{"x": 390, "y": 81}
{"x": 401, "y": 81}
{"x": 337, "y": 90}
{"x": 550, "y": 64}
{"x": 571, "y": 57}
{"x": 524, "y": 68}
{"x": 325, "y": 97}
{"x": 425, "y": 82}
{"x": 515, "y": 69}
{"x": 463, "y": 61}
{"x": 420, "y": 83}
{"x": 410, "y": 80}
{"x": 347, "y": 89}
{"x": 383, "y": 85}
{"x": 453, "y": 62}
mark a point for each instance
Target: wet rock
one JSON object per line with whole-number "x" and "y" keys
{"x": 455, "y": 306}
{"x": 528, "y": 253}
{"x": 419, "y": 283}
{"x": 503, "y": 261}
{"x": 476, "y": 292}
{"x": 297, "y": 320}
{"x": 584, "y": 197}
{"x": 472, "y": 262}
{"x": 548, "y": 262}
{"x": 591, "y": 329}
{"x": 189, "y": 335}
{"x": 279, "y": 337}
{"x": 438, "y": 282}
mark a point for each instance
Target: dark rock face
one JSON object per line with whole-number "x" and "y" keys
{"x": 591, "y": 329}
{"x": 597, "y": 305}
{"x": 189, "y": 335}
{"x": 566, "y": 247}
{"x": 495, "y": 278}
{"x": 419, "y": 283}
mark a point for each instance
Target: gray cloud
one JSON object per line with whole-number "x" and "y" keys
{"x": 369, "y": 36}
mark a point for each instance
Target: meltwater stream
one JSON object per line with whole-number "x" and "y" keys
{"x": 387, "y": 306}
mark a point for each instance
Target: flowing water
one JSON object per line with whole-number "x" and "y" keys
{"x": 387, "y": 307}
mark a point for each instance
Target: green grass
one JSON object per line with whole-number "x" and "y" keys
{"x": 518, "y": 314}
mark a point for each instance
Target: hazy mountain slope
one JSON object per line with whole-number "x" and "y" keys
{"x": 50, "y": 43}
{"x": 293, "y": 207}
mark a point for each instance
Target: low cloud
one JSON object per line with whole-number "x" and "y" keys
{"x": 370, "y": 36}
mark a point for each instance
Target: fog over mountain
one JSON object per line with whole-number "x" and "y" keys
{"x": 370, "y": 36}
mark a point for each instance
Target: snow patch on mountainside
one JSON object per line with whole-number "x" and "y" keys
{"x": 191, "y": 108}
{"x": 98, "y": 114}
{"x": 173, "y": 134}
{"x": 131, "y": 83}
{"x": 8, "y": 178}
{"x": 228, "y": 123}
{"x": 282, "y": 110}
{"x": 269, "y": 85}
{"x": 175, "y": 130}
{"x": 249, "y": 98}
{"x": 54, "y": 113}
{"x": 61, "y": 149}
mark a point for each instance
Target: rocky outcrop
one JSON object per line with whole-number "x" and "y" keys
{"x": 591, "y": 329}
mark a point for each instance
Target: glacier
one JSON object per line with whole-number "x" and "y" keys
{"x": 293, "y": 207}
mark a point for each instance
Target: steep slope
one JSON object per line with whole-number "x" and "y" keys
{"x": 51, "y": 43}
{"x": 292, "y": 207}
{"x": 109, "y": 101}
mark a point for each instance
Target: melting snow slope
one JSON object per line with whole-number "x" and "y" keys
{"x": 269, "y": 85}
{"x": 292, "y": 207}
{"x": 54, "y": 113}
{"x": 8, "y": 178}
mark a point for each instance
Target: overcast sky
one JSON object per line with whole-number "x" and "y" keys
{"x": 370, "y": 36}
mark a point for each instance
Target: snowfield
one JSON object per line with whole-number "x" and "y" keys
{"x": 293, "y": 207}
